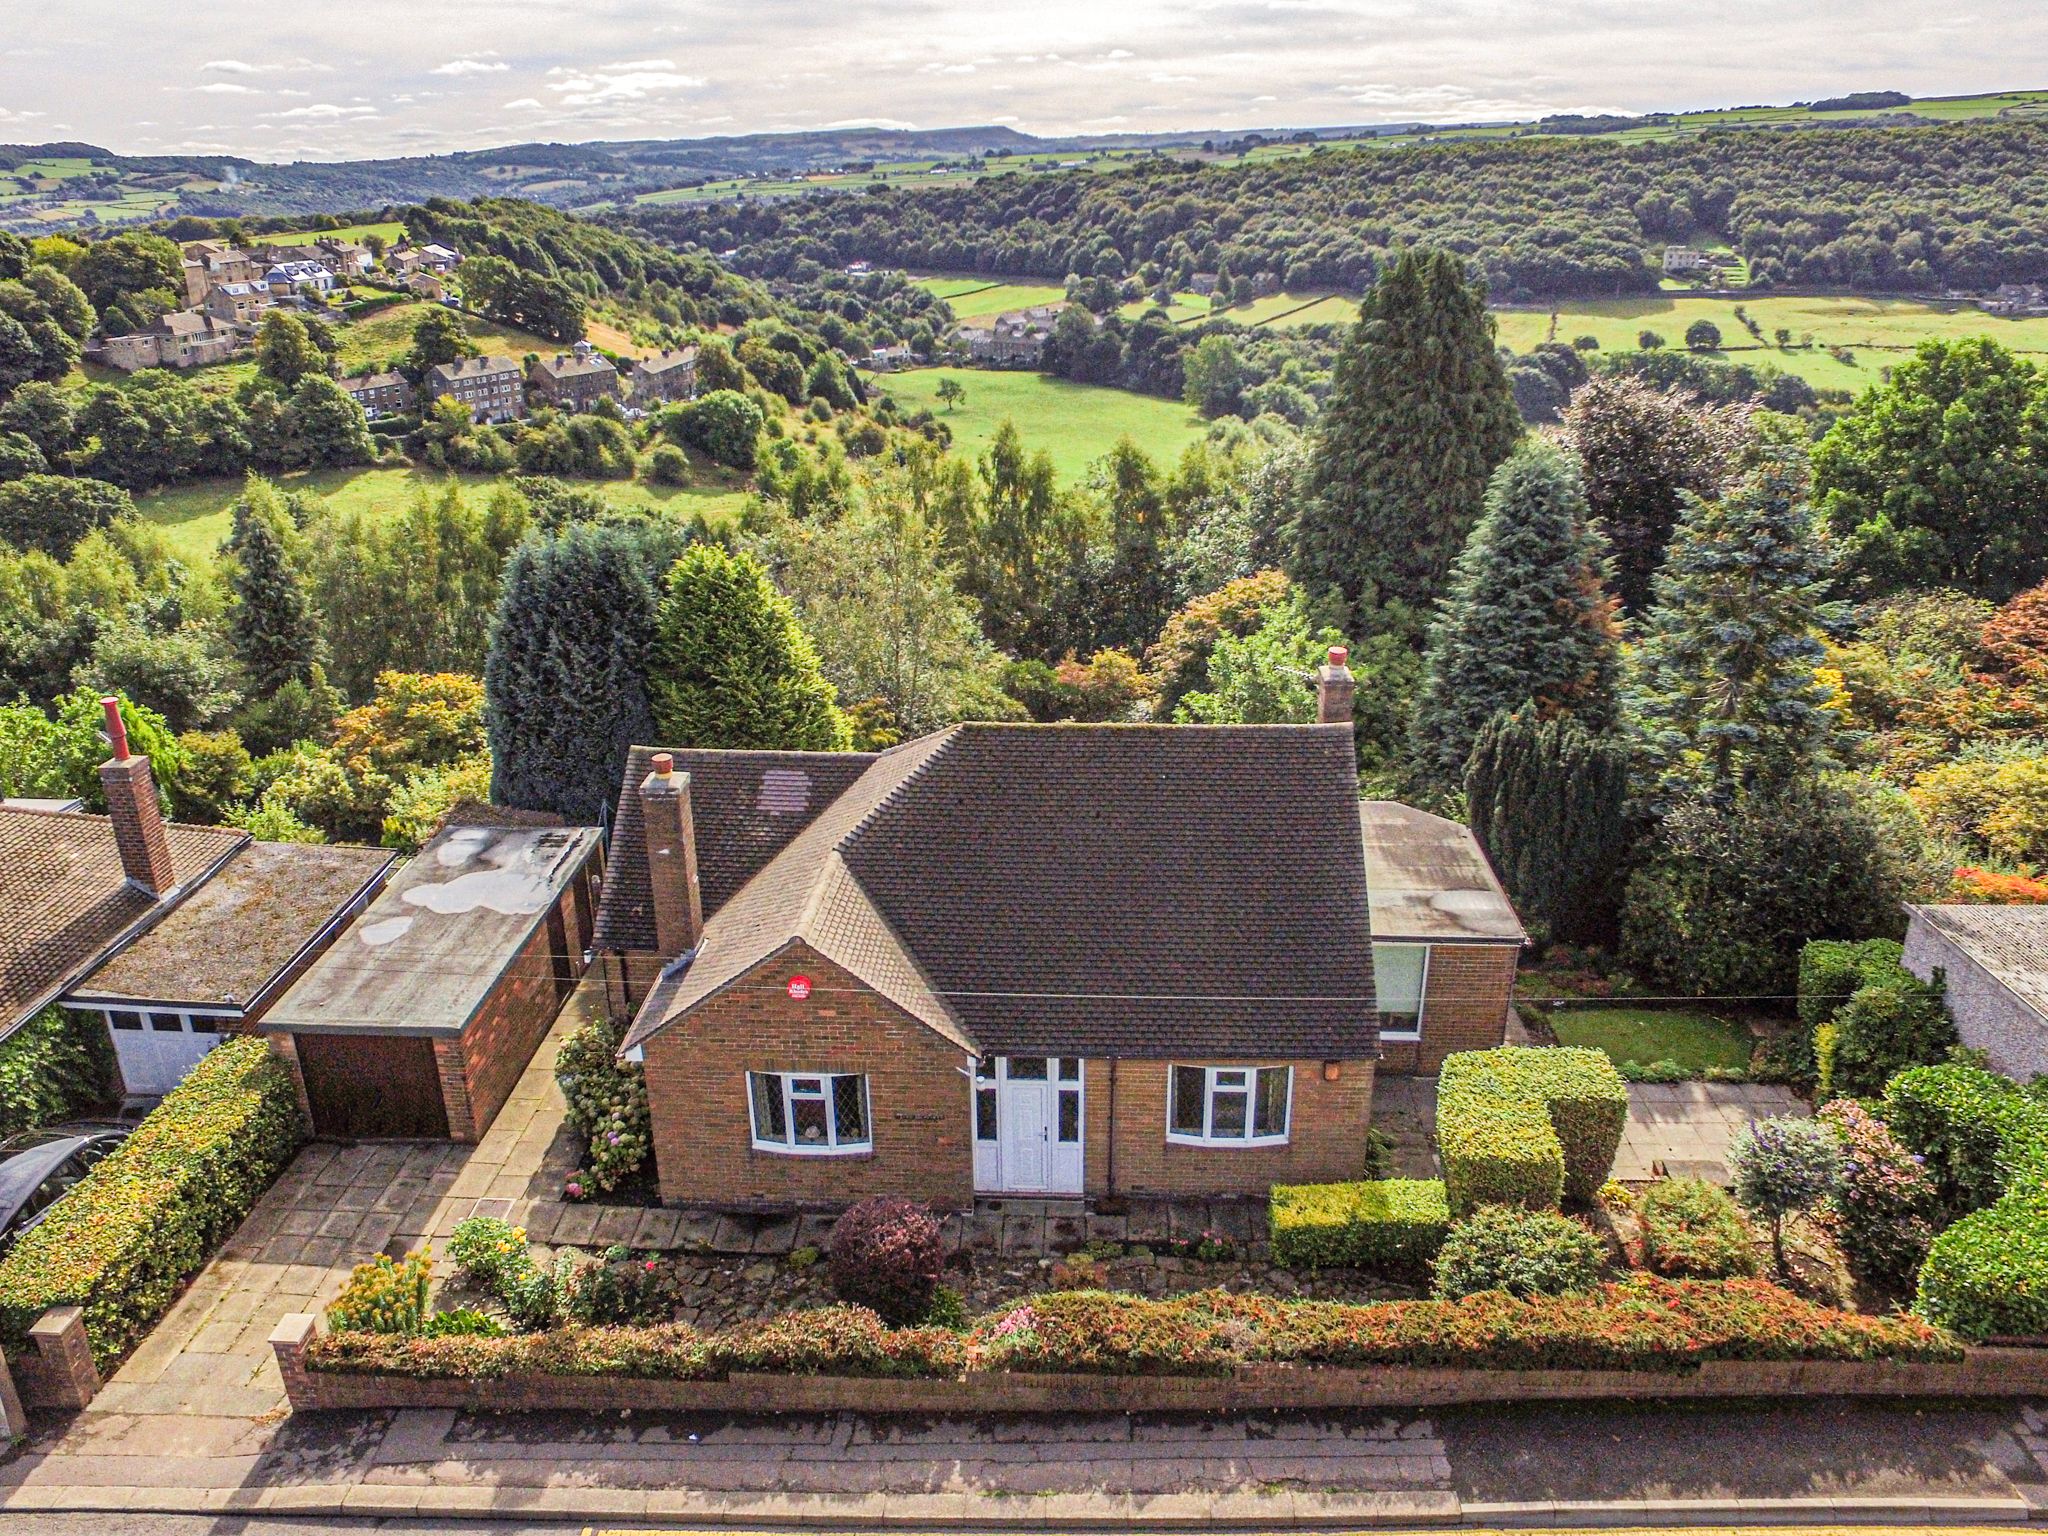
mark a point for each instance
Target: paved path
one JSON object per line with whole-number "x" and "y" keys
{"x": 1683, "y": 1129}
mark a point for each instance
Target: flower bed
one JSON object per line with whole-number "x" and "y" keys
{"x": 1643, "y": 1324}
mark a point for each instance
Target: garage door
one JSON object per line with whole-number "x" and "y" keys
{"x": 372, "y": 1085}
{"x": 156, "y": 1050}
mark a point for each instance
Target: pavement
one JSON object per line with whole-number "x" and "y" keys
{"x": 1682, "y": 1130}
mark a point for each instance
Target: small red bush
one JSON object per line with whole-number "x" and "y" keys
{"x": 886, "y": 1255}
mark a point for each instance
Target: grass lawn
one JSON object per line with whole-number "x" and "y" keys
{"x": 1075, "y": 423}
{"x": 1694, "y": 1040}
{"x": 197, "y": 516}
{"x": 391, "y": 230}
{"x": 976, "y": 301}
{"x": 382, "y": 337}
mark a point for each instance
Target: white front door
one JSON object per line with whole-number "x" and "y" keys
{"x": 156, "y": 1050}
{"x": 1028, "y": 1125}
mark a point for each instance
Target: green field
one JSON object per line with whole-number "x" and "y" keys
{"x": 1877, "y": 332}
{"x": 1696, "y": 1041}
{"x": 197, "y": 516}
{"x": 978, "y": 300}
{"x": 391, "y": 231}
{"x": 1075, "y": 423}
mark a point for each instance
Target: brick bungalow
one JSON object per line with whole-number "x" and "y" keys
{"x": 1058, "y": 960}
{"x": 174, "y": 934}
{"x": 418, "y": 1022}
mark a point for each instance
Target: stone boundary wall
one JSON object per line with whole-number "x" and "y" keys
{"x": 1984, "y": 1372}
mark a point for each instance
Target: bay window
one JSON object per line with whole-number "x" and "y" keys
{"x": 1229, "y": 1106}
{"x": 809, "y": 1112}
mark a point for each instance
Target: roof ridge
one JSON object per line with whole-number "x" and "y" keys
{"x": 941, "y": 742}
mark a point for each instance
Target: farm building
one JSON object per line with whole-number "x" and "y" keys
{"x": 420, "y": 1020}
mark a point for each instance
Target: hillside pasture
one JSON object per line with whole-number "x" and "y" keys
{"x": 196, "y": 517}
{"x": 1075, "y": 423}
{"x": 390, "y": 231}
{"x": 977, "y": 301}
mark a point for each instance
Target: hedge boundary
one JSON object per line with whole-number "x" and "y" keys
{"x": 124, "y": 1241}
{"x": 1392, "y": 1225}
{"x": 1528, "y": 1125}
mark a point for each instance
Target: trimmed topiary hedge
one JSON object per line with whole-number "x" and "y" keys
{"x": 1395, "y": 1226}
{"x": 1528, "y": 1126}
{"x": 122, "y": 1243}
{"x": 1985, "y": 1140}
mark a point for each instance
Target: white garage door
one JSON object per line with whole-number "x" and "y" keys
{"x": 156, "y": 1050}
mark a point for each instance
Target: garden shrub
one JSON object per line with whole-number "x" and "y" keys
{"x": 885, "y": 1255}
{"x": 1693, "y": 1230}
{"x": 606, "y": 1103}
{"x": 1394, "y": 1226}
{"x": 50, "y": 1069}
{"x": 1525, "y": 1253}
{"x": 839, "y": 1341}
{"x": 1782, "y": 1167}
{"x": 1528, "y": 1125}
{"x": 1985, "y": 1140}
{"x": 124, "y": 1240}
{"x": 486, "y": 1249}
{"x": 1882, "y": 1214}
{"x": 1885, "y": 1028}
{"x": 1831, "y": 971}
{"x": 619, "y": 1288}
{"x": 383, "y": 1296}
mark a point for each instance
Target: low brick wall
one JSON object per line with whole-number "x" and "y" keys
{"x": 1986, "y": 1372}
{"x": 58, "y": 1370}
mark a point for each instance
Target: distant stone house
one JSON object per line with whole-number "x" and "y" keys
{"x": 441, "y": 259}
{"x": 2017, "y": 299}
{"x": 403, "y": 260}
{"x": 1994, "y": 963}
{"x": 426, "y": 286}
{"x": 380, "y": 394}
{"x": 1684, "y": 261}
{"x": 662, "y": 377}
{"x": 185, "y": 338}
{"x": 242, "y": 304}
{"x": 574, "y": 380}
{"x": 344, "y": 258}
{"x": 1202, "y": 284}
{"x": 209, "y": 263}
{"x": 492, "y": 386}
{"x": 288, "y": 278}
{"x": 1015, "y": 339}
{"x": 890, "y": 358}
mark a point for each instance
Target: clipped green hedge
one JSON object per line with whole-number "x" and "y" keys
{"x": 51, "y": 1068}
{"x": 1833, "y": 970}
{"x": 1528, "y": 1126}
{"x": 1395, "y": 1226}
{"x": 122, "y": 1243}
{"x": 1985, "y": 1141}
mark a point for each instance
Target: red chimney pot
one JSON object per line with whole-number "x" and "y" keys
{"x": 664, "y": 763}
{"x": 1339, "y": 655}
{"x": 117, "y": 733}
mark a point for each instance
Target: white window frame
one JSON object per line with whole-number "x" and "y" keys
{"x": 1409, "y": 1036}
{"x": 1209, "y": 1137}
{"x": 832, "y": 1146}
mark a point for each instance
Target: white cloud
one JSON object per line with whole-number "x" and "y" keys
{"x": 325, "y": 111}
{"x": 471, "y": 67}
{"x": 524, "y": 103}
{"x": 226, "y": 88}
{"x": 632, "y": 81}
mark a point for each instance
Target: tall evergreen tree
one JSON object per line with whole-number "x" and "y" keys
{"x": 1419, "y": 415}
{"x": 273, "y": 628}
{"x": 1528, "y": 620}
{"x": 285, "y": 352}
{"x": 565, "y": 683}
{"x": 731, "y": 665}
{"x": 1723, "y": 692}
{"x": 1546, "y": 800}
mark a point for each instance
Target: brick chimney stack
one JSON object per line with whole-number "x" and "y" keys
{"x": 671, "y": 832}
{"x": 1334, "y": 689}
{"x": 132, "y": 807}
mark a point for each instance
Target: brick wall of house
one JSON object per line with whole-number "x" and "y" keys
{"x": 697, "y": 1094}
{"x": 1464, "y": 1007}
{"x": 479, "y": 1071}
{"x": 1326, "y": 1139}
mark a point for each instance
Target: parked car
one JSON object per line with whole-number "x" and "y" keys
{"x": 38, "y": 1167}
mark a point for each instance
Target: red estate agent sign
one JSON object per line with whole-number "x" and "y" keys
{"x": 799, "y": 987}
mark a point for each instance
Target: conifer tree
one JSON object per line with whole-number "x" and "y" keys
{"x": 1723, "y": 692}
{"x": 731, "y": 665}
{"x": 1528, "y": 619}
{"x": 1546, "y": 800}
{"x": 273, "y": 628}
{"x": 1419, "y": 415}
{"x": 565, "y": 683}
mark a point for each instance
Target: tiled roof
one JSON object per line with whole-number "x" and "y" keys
{"x": 1138, "y": 891}
{"x": 475, "y": 367}
{"x": 1430, "y": 880}
{"x": 238, "y": 933}
{"x": 666, "y": 361}
{"x": 2011, "y": 943}
{"x": 64, "y": 898}
{"x": 564, "y": 365}
{"x": 747, "y": 807}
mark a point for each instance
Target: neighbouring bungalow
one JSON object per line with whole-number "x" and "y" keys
{"x": 1994, "y": 965}
{"x": 176, "y": 934}
{"x": 1077, "y": 960}
{"x": 419, "y": 1020}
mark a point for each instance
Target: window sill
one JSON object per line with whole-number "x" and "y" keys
{"x": 1390, "y": 1039}
{"x": 783, "y": 1149}
{"x": 1224, "y": 1143}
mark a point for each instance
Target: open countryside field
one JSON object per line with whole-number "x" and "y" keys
{"x": 1878, "y": 332}
{"x": 197, "y": 517}
{"x": 390, "y": 230}
{"x": 978, "y": 300}
{"x": 1075, "y": 423}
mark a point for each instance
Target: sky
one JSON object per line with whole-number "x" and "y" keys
{"x": 374, "y": 78}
